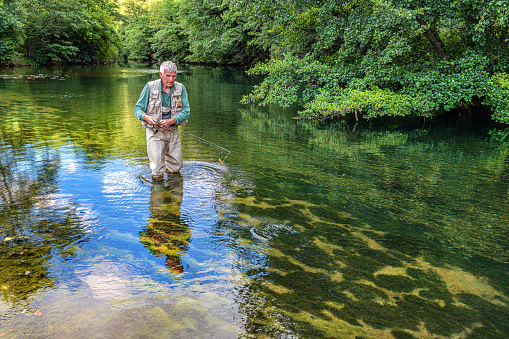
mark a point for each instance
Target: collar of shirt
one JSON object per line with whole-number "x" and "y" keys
{"x": 166, "y": 97}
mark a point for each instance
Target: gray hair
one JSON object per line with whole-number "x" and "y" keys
{"x": 170, "y": 66}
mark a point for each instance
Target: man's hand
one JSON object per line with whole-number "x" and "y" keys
{"x": 150, "y": 120}
{"x": 166, "y": 123}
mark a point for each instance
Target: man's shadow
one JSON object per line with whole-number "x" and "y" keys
{"x": 167, "y": 234}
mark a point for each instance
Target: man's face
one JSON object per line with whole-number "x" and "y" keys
{"x": 168, "y": 78}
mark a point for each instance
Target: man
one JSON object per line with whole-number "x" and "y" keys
{"x": 163, "y": 106}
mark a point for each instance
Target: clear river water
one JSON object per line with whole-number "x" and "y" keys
{"x": 306, "y": 230}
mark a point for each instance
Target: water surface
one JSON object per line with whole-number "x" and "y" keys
{"x": 308, "y": 229}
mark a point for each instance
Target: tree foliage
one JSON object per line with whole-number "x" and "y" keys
{"x": 193, "y": 31}
{"x": 11, "y": 31}
{"x": 51, "y": 31}
{"x": 135, "y": 31}
{"x": 371, "y": 58}
{"x": 169, "y": 40}
{"x": 383, "y": 57}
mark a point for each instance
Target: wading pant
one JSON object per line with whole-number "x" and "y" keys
{"x": 164, "y": 151}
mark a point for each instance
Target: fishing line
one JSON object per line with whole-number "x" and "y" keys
{"x": 210, "y": 143}
{"x": 204, "y": 140}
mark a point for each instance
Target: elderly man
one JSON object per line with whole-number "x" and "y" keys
{"x": 163, "y": 106}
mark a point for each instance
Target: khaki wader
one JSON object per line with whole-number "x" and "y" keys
{"x": 164, "y": 151}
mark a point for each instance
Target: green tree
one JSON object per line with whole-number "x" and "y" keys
{"x": 195, "y": 31}
{"x": 381, "y": 57}
{"x": 11, "y": 31}
{"x": 135, "y": 31}
{"x": 169, "y": 40}
{"x": 50, "y": 31}
{"x": 69, "y": 31}
{"x": 99, "y": 40}
{"x": 213, "y": 37}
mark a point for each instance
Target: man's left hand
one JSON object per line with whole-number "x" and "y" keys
{"x": 166, "y": 123}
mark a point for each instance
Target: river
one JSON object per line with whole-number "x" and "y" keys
{"x": 275, "y": 228}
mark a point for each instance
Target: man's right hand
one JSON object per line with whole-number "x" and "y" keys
{"x": 150, "y": 120}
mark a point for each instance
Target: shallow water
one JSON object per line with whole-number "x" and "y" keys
{"x": 308, "y": 229}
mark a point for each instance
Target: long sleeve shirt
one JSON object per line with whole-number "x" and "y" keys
{"x": 140, "y": 108}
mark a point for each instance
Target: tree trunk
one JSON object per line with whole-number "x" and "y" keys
{"x": 432, "y": 35}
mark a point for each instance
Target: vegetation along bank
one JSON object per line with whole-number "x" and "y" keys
{"x": 369, "y": 58}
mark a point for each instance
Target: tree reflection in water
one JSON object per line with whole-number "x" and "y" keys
{"x": 166, "y": 235}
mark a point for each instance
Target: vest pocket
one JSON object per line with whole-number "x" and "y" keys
{"x": 150, "y": 107}
{"x": 154, "y": 94}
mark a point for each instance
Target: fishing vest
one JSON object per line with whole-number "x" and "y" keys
{"x": 155, "y": 104}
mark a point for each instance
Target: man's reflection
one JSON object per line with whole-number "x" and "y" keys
{"x": 166, "y": 234}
